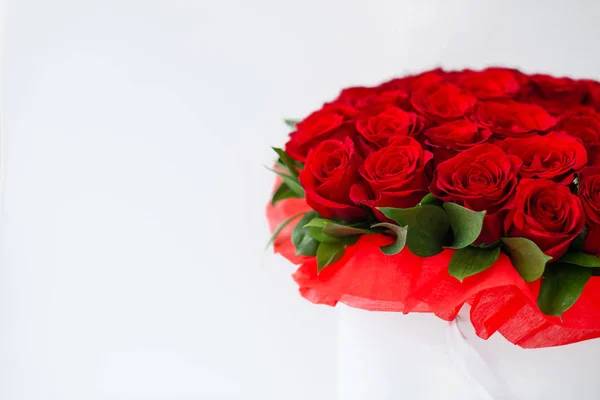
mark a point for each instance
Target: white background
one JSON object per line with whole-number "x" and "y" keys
{"x": 134, "y": 138}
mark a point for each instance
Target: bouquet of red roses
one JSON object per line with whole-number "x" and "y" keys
{"x": 444, "y": 188}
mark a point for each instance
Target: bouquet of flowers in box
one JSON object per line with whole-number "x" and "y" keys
{"x": 444, "y": 188}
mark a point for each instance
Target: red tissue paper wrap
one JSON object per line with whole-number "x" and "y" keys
{"x": 500, "y": 300}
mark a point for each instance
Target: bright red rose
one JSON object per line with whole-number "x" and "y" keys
{"x": 383, "y": 123}
{"x": 394, "y": 176}
{"x": 443, "y": 102}
{"x": 481, "y": 178}
{"x": 512, "y": 119}
{"x": 586, "y": 127}
{"x": 453, "y": 137}
{"x": 333, "y": 121}
{"x": 546, "y": 213}
{"x": 491, "y": 83}
{"x": 329, "y": 172}
{"x": 555, "y": 156}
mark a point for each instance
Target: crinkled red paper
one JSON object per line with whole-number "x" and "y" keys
{"x": 501, "y": 301}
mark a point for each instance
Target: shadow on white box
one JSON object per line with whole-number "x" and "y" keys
{"x": 391, "y": 356}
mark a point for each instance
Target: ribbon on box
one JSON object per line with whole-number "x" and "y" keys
{"x": 500, "y": 300}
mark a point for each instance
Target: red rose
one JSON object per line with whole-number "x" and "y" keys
{"x": 555, "y": 156}
{"x": 546, "y": 213}
{"x": 586, "y": 127}
{"x": 394, "y": 175}
{"x": 452, "y": 137}
{"x": 386, "y": 122}
{"x": 592, "y": 90}
{"x": 413, "y": 82}
{"x": 329, "y": 172}
{"x": 551, "y": 87}
{"x": 491, "y": 83}
{"x": 333, "y": 121}
{"x": 512, "y": 119}
{"x": 443, "y": 102}
{"x": 589, "y": 193}
{"x": 481, "y": 178}
{"x": 361, "y": 97}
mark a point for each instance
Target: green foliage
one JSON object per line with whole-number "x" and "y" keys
{"x": 526, "y": 257}
{"x": 562, "y": 285}
{"x": 466, "y": 224}
{"x": 399, "y": 233}
{"x": 471, "y": 260}
{"x": 427, "y": 225}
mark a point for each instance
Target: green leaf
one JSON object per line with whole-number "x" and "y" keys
{"x": 287, "y": 161}
{"x": 291, "y": 122}
{"x": 337, "y": 229}
{"x": 430, "y": 199}
{"x": 305, "y": 244}
{"x": 470, "y": 260}
{"x": 427, "y": 227}
{"x": 562, "y": 285}
{"x": 282, "y": 192}
{"x": 526, "y": 257}
{"x": 581, "y": 259}
{"x": 400, "y": 234}
{"x": 318, "y": 234}
{"x": 329, "y": 253}
{"x": 291, "y": 182}
{"x": 466, "y": 224}
{"x": 281, "y": 227}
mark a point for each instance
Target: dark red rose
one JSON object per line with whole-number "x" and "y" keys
{"x": 333, "y": 121}
{"x": 481, "y": 178}
{"x": 586, "y": 127}
{"x": 394, "y": 176}
{"x": 564, "y": 88}
{"x": 383, "y": 123}
{"x": 443, "y": 102}
{"x": 513, "y": 119}
{"x": 555, "y": 156}
{"x": 592, "y": 90}
{"x": 547, "y": 213}
{"x": 589, "y": 193}
{"x": 453, "y": 137}
{"x": 329, "y": 172}
{"x": 491, "y": 83}
{"x": 557, "y": 95}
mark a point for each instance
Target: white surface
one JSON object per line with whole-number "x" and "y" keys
{"x": 132, "y": 211}
{"x": 393, "y": 356}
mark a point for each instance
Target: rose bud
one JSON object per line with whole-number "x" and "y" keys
{"x": 512, "y": 119}
{"x": 585, "y": 127}
{"x": 482, "y": 178}
{"x": 546, "y": 213}
{"x": 380, "y": 124}
{"x": 394, "y": 176}
{"x": 329, "y": 172}
{"x": 330, "y": 122}
{"x": 491, "y": 83}
{"x": 443, "y": 102}
{"x": 556, "y": 156}
{"x": 449, "y": 139}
